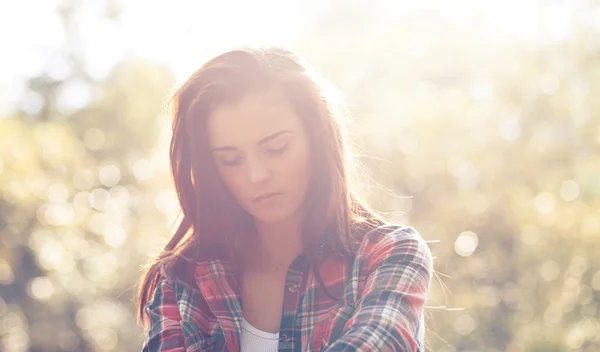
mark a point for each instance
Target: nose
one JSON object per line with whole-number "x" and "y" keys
{"x": 258, "y": 171}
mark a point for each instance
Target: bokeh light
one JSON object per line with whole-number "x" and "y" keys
{"x": 466, "y": 243}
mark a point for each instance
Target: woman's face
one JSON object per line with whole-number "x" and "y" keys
{"x": 261, "y": 150}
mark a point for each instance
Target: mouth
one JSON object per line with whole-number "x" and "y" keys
{"x": 266, "y": 196}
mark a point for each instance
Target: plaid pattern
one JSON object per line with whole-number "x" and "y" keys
{"x": 383, "y": 290}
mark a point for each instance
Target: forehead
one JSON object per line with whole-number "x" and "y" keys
{"x": 253, "y": 117}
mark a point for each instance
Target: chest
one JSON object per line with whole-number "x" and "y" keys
{"x": 304, "y": 311}
{"x": 262, "y": 300}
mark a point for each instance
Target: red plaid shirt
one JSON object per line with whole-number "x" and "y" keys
{"x": 383, "y": 291}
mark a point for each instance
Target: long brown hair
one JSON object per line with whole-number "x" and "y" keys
{"x": 212, "y": 220}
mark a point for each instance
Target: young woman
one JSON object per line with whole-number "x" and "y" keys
{"x": 274, "y": 251}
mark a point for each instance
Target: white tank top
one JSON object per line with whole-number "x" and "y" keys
{"x": 255, "y": 340}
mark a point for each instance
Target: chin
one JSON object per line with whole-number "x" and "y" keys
{"x": 273, "y": 217}
{"x": 270, "y": 219}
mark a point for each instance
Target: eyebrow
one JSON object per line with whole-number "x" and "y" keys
{"x": 262, "y": 141}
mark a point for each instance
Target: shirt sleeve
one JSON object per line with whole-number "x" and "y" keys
{"x": 388, "y": 313}
{"x": 164, "y": 333}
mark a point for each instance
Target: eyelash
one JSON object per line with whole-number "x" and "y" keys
{"x": 232, "y": 162}
{"x": 277, "y": 151}
{"x": 273, "y": 152}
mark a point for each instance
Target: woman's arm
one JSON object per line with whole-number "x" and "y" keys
{"x": 164, "y": 332}
{"x": 398, "y": 268}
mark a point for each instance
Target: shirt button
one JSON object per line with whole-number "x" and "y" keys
{"x": 293, "y": 288}
{"x": 285, "y": 338}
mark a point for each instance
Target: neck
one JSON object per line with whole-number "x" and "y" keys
{"x": 279, "y": 244}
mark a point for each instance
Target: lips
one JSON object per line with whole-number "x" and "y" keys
{"x": 266, "y": 196}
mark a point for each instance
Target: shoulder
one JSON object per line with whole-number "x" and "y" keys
{"x": 393, "y": 234}
{"x": 395, "y": 243}
{"x": 180, "y": 271}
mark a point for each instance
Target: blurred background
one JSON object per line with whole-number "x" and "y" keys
{"x": 478, "y": 121}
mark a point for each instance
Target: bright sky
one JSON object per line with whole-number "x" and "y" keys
{"x": 184, "y": 33}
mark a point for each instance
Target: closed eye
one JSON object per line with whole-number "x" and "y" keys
{"x": 228, "y": 157}
{"x": 230, "y": 162}
{"x": 278, "y": 151}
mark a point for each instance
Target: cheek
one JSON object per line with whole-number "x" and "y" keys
{"x": 233, "y": 180}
